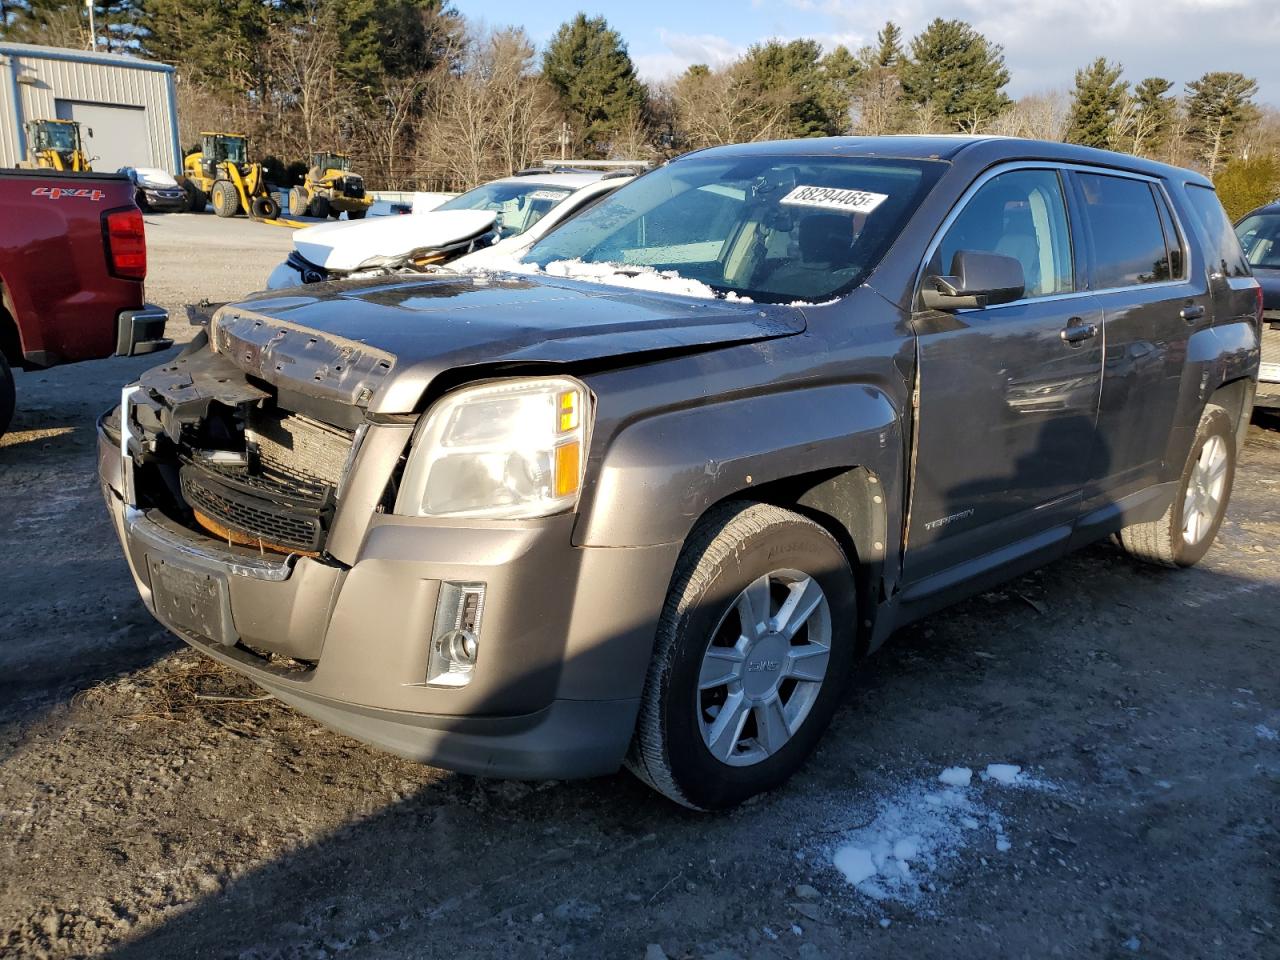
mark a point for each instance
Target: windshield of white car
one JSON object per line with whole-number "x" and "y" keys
{"x": 518, "y": 205}
{"x": 1260, "y": 237}
{"x": 776, "y": 229}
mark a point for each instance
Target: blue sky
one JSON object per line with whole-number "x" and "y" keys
{"x": 1044, "y": 40}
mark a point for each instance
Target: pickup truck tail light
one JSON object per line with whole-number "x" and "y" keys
{"x": 126, "y": 243}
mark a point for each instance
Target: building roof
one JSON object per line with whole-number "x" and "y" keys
{"x": 33, "y": 51}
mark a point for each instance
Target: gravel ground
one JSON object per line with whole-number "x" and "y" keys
{"x": 152, "y": 805}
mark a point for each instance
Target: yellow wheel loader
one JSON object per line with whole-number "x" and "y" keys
{"x": 56, "y": 145}
{"x": 330, "y": 190}
{"x": 220, "y": 173}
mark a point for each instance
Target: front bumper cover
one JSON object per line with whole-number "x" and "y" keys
{"x": 565, "y": 644}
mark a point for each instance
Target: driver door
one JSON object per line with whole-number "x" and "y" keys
{"x": 1007, "y": 394}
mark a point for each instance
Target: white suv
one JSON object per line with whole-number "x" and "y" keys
{"x": 493, "y": 223}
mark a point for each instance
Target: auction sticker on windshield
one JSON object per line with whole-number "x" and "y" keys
{"x": 832, "y": 198}
{"x": 548, "y": 195}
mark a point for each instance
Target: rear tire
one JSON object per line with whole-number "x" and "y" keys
{"x": 297, "y": 202}
{"x": 226, "y": 202}
{"x": 7, "y": 395}
{"x": 1184, "y": 534}
{"x": 754, "y": 650}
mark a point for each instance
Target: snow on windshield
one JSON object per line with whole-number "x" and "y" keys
{"x": 614, "y": 275}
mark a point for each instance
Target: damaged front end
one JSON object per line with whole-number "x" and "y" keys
{"x": 249, "y": 441}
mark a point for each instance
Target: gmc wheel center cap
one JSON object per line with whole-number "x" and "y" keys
{"x": 764, "y": 666}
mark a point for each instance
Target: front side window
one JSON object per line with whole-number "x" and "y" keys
{"x": 518, "y": 205}
{"x": 775, "y": 229}
{"x": 1260, "y": 236}
{"x": 1123, "y": 225}
{"x": 1020, "y": 214}
{"x": 1226, "y": 259}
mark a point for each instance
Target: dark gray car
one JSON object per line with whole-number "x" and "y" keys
{"x": 545, "y": 522}
{"x": 1259, "y": 233}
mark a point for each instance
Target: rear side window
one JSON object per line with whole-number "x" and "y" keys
{"x": 1124, "y": 228}
{"x": 1222, "y": 249}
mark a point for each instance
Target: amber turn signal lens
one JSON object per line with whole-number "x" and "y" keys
{"x": 568, "y": 411}
{"x": 568, "y": 464}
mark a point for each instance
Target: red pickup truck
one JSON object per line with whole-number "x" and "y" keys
{"x": 73, "y": 257}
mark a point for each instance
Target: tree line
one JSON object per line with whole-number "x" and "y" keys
{"x": 422, "y": 97}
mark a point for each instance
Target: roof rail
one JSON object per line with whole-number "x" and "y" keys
{"x": 598, "y": 164}
{"x": 532, "y": 171}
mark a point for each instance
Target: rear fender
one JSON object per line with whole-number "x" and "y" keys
{"x": 1215, "y": 356}
{"x": 659, "y": 475}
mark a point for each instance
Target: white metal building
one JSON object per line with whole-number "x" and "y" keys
{"x": 125, "y": 105}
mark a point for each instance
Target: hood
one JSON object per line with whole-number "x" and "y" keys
{"x": 344, "y": 247}
{"x": 1270, "y": 280}
{"x": 155, "y": 178}
{"x": 411, "y": 332}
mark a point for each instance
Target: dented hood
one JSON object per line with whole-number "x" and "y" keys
{"x": 342, "y": 247}
{"x": 380, "y": 343}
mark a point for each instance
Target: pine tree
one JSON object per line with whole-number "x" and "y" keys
{"x": 588, "y": 66}
{"x": 1155, "y": 115}
{"x": 955, "y": 75}
{"x": 1219, "y": 104}
{"x": 1095, "y": 104}
{"x": 877, "y": 95}
{"x": 841, "y": 72}
{"x": 789, "y": 73}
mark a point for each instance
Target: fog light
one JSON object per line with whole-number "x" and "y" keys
{"x": 455, "y": 642}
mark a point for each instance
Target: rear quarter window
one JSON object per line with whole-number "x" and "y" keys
{"x": 1222, "y": 248}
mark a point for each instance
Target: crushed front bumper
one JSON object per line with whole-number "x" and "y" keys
{"x": 563, "y": 650}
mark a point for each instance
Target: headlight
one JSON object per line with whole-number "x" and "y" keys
{"x": 505, "y": 450}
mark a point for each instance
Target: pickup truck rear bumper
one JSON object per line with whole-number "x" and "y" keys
{"x": 141, "y": 331}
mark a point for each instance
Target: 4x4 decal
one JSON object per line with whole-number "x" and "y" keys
{"x": 57, "y": 193}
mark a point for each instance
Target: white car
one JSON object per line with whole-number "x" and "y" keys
{"x": 493, "y": 223}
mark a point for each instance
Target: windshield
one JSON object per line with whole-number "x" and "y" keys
{"x": 774, "y": 229}
{"x": 229, "y": 148}
{"x": 58, "y": 136}
{"x": 1260, "y": 237}
{"x": 518, "y": 205}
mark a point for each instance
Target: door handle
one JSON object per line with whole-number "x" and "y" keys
{"x": 1192, "y": 311}
{"x": 1077, "y": 331}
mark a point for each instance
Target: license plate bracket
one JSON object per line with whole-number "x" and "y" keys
{"x": 192, "y": 601}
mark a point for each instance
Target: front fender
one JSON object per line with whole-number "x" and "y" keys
{"x": 658, "y": 475}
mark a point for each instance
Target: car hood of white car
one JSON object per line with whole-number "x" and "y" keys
{"x": 155, "y": 178}
{"x": 345, "y": 246}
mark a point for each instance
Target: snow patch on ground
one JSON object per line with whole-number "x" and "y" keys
{"x": 923, "y": 828}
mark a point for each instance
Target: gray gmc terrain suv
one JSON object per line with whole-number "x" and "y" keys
{"x": 647, "y": 497}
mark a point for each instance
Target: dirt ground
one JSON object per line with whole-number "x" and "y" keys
{"x": 152, "y": 805}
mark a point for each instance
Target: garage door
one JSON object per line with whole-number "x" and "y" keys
{"x": 114, "y": 136}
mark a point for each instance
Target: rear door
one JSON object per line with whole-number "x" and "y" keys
{"x": 1139, "y": 269}
{"x": 1008, "y": 395}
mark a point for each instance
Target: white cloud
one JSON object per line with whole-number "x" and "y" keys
{"x": 1046, "y": 41}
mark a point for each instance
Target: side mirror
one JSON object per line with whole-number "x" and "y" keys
{"x": 977, "y": 280}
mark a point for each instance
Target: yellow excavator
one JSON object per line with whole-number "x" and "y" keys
{"x": 56, "y": 145}
{"x": 220, "y": 173}
{"x": 330, "y": 190}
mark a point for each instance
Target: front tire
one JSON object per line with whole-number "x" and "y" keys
{"x": 320, "y": 207}
{"x": 754, "y": 649}
{"x": 226, "y": 202}
{"x": 1184, "y": 534}
{"x": 357, "y": 214}
{"x": 8, "y": 395}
